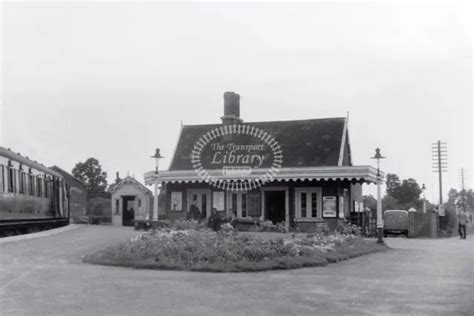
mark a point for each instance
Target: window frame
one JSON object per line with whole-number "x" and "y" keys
{"x": 308, "y": 191}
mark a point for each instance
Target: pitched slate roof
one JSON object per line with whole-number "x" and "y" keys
{"x": 129, "y": 181}
{"x": 304, "y": 143}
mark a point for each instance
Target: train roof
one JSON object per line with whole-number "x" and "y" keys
{"x": 4, "y": 152}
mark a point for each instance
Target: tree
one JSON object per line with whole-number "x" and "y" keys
{"x": 463, "y": 198}
{"x": 452, "y": 195}
{"x": 90, "y": 172}
{"x": 389, "y": 203}
{"x": 370, "y": 202}
{"x": 392, "y": 183}
{"x": 406, "y": 193}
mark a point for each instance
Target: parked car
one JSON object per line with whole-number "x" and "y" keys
{"x": 395, "y": 222}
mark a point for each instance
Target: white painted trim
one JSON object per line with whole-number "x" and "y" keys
{"x": 364, "y": 173}
{"x": 319, "y": 205}
{"x": 343, "y": 141}
{"x": 287, "y": 203}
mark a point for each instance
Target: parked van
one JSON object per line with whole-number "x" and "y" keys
{"x": 395, "y": 222}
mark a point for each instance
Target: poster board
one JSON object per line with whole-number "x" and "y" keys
{"x": 329, "y": 206}
{"x": 441, "y": 211}
{"x": 218, "y": 200}
{"x": 254, "y": 204}
{"x": 176, "y": 201}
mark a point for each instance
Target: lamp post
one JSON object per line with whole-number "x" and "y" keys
{"x": 157, "y": 157}
{"x": 378, "y": 156}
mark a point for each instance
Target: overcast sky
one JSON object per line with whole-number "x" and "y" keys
{"x": 114, "y": 80}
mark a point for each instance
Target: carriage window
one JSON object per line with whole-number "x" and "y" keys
{"x": 11, "y": 180}
{"x": 32, "y": 185}
{"x": 22, "y": 183}
{"x": 2, "y": 183}
{"x": 39, "y": 190}
{"x": 46, "y": 188}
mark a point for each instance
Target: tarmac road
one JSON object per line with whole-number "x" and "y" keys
{"x": 45, "y": 276}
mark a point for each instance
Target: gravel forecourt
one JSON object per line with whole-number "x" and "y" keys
{"x": 45, "y": 276}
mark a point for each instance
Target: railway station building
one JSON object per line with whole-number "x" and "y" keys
{"x": 297, "y": 173}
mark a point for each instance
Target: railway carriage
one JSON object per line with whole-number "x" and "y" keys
{"x": 32, "y": 196}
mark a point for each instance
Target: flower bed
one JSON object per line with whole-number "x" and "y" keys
{"x": 227, "y": 251}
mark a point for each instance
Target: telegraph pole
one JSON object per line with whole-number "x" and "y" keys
{"x": 463, "y": 178}
{"x": 440, "y": 163}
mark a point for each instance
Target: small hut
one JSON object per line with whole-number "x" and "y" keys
{"x": 131, "y": 201}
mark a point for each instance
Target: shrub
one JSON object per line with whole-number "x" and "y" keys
{"x": 200, "y": 249}
{"x": 348, "y": 229}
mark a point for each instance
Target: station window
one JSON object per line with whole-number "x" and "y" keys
{"x": 139, "y": 202}
{"x": 244, "y": 204}
{"x": 308, "y": 203}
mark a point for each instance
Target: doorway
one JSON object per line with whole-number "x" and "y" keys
{"x": 275, "y": 206}
{"x": 128, "y": 210}
{"x": 202, "y": 198}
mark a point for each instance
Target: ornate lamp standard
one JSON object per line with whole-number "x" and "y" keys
{"x": 157, "y": 157}
{"x": 378, "y": 156}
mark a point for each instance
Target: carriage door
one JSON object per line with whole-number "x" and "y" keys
{"x": 203, "y": 199}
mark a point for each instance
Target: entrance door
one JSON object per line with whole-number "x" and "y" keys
{"x": 237, "y": 203}
{"x": 128, "y": 210}
{"x": 202, "y": 198}
{"x": 275, "y": 206}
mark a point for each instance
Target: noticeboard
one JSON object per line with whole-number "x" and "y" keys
{"x": 329, "y": 206}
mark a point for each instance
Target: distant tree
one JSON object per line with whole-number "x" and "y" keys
{"x": 389, "y": 203}
{"x": 463, "y": 198}
{"x": 409, "y": 193}
{"x": 452, "y": 195}
{"x": 406, "y": 193}
{"x": 370, "y": 202}
{"x": 90, "y": 172}
{"x": 392, "y": 183}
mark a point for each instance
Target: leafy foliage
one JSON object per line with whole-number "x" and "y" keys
{"x": 226, "y": 250}
{"x": 403, "y": 194}
{"x": 90, "y": 172}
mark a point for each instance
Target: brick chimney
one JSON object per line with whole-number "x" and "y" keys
{"x": 231, "y": 109}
